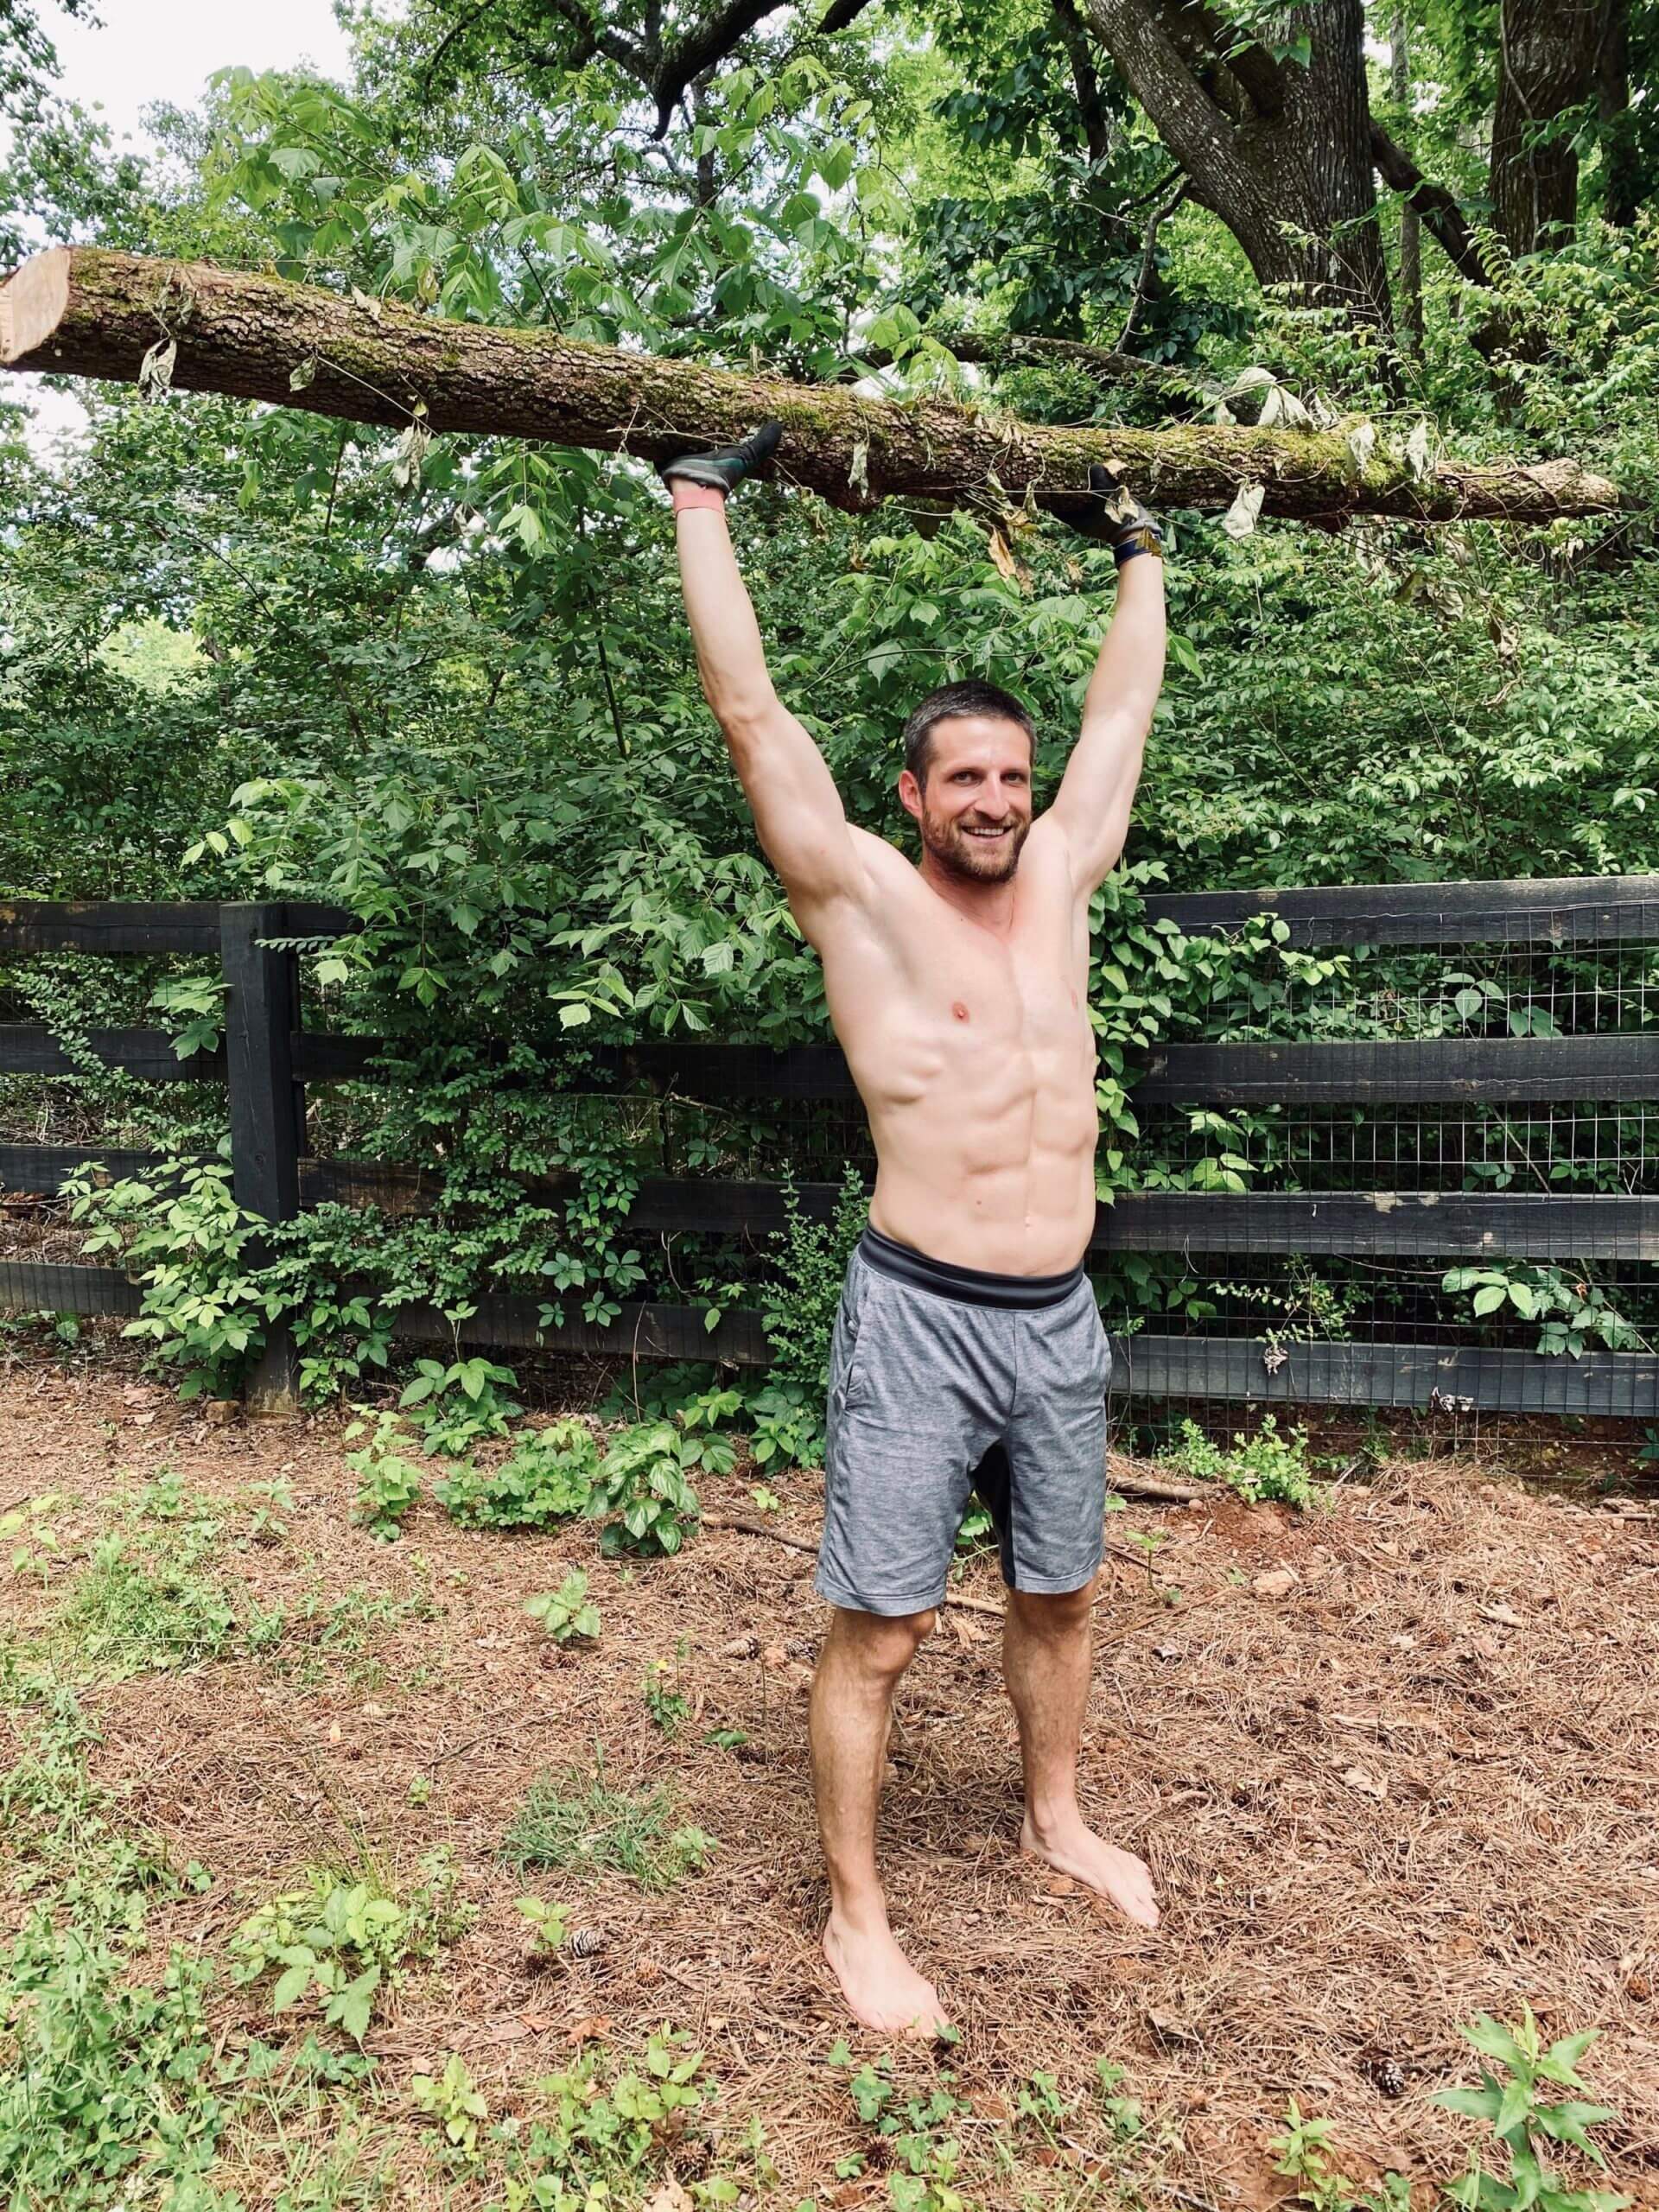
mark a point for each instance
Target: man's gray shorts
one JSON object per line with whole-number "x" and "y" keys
{"x": 945, "y": 1380}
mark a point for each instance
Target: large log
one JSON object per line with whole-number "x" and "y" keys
{"x": 81, "y": 311}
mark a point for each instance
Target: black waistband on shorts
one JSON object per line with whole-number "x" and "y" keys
{"x": 970, "y": 1285}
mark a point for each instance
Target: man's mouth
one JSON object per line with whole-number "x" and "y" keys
{"x": 988, "y": 835}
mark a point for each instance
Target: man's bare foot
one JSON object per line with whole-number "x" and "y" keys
{"x": 879, "y": 1982}
{"x": 1071, "y": 1847}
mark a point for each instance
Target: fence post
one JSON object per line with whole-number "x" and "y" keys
{"x": 267, "y": 1106}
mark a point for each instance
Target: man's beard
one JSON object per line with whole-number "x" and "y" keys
{"x": 966, "y": 857}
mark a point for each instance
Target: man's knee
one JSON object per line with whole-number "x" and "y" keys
{"x": 883, "y": 1645}
{"x": 1047, "y": 1613}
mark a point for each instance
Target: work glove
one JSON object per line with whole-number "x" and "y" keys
{"x": 724, "y": 469}
{"x": 1110, "y": 513}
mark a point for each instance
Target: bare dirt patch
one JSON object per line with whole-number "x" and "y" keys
{"x": 1413, "y": 1783}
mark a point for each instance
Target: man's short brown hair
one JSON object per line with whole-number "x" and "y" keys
{"x": 951, "y": 700}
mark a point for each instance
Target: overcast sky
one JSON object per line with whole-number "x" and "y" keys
{"x": 147, "y": 50}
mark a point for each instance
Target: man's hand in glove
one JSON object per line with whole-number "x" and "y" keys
{"x": 703, "y": 480}
{"x": 1111, "y": 513}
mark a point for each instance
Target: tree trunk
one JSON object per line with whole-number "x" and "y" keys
{"x": 1411, "y": 228}
{"x": 1546, "y": 66}
{"x": 1279, "y": 151}
{"x": 83, "y": 312}
{"x": 1621, "y": 163}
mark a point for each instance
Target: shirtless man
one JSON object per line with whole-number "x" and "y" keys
{"x": 969, "y": 1352}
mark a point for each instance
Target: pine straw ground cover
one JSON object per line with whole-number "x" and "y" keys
{"x": 1406, "y": 1779}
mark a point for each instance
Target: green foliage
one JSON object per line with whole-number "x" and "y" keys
{"x": 388, "y": 1482}
{"x": 578, "y": 1819}
{"x": 1574, "y": 1312}
{"x": 667, "y": 1698}
{"x": 567, "y": 1612}
{"x": 1262, "y": 1466}
{"x": 450, "y": 2100}
{"x": 185, "y": 1237}
{"x": 1514, "y": 2098}
{"x": 605, "y": 2132}
{"x": 339, "y": 1942}
{"x": 549, "y": 1923}
{"x": 548, "y": 1477}
{"x": 461, "y": 1402}
{"x": 643, "y": 1491}
{"x": 148, "y": 1597}
{"x": 107, "y": 2078}
{"x": 800, "y": 1311}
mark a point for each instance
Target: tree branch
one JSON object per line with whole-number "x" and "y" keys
{"x": 82, "y": 311}
{"x": 1442, "y": 217}
{"x": 702, "y": 49}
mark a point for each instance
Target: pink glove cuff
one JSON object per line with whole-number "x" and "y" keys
{"x": 694, "y": 495}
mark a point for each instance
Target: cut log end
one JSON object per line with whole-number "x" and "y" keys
{"x": 32, "y": 300}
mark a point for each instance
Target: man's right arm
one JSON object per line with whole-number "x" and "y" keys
{"x": 798, "y": 810}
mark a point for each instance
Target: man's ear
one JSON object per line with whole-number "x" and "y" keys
{"x": 910, "y": 794}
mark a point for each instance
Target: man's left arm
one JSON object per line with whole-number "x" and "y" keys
{"x": 1091, "y": 808}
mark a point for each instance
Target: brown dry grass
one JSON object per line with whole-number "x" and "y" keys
{"x": 1419, "y": 1786}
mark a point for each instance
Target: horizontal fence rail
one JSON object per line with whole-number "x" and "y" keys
{"x": 1450, "y": 1224}
{"x": 269, "y": 1058}
{"x": 1543, "y": 910}
{"x": 1422, "y": 1377}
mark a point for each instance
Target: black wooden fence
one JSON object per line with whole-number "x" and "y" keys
{"x": 267, "y": 1058}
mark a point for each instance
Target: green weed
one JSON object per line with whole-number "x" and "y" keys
{"x": 339, "y": 1943}
{"x": 388, "y": 1481}
{"x": 666, "y": 1698}
{"x": 450, "y": 2100}
{"x": 605, "y": 2141}
{"x": 547, "y": 1477}
{"x": 1265, "y": 1466}
{"x": 577, "y": 1819}
{"x": 1514, "y": 2098}
{"x": 567, "y": 1612}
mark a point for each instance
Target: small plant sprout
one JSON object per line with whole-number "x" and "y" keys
{"x": 548, "y": 1923}
{"x": 665, "y": 1698}
{"x": 388, "y": 1483}
{"x": 567, "y": 1612}
{"x": 767, "y": 1500}
{"x": 1513, "y": 2100}
{"x": 1123, "y": 2113}
{"x": 450, "y": 2099}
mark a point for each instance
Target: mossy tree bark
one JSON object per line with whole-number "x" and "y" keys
{"x": 84, "y": 312}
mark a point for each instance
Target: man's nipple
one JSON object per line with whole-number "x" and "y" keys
{"x": 958, "y": 1009}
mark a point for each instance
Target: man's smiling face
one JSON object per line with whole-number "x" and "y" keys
{"x": 974, "y": 809}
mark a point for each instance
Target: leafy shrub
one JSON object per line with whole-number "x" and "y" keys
{"x": 1265, "y": 1466}
{"x": 1524, "y": 2123}
{"x": 602, "y": 2141}
{"x": 462, "y": 1402}
{"x": 1572, "y": 1312}
{"x": 567, "y": 1612}
{"x": 342, "y": 1941}
{"x": 644, "y": 1484}
{"x": 799, "y": 1302}
{"x": 389, "y": 1483}
{"x": 548, "y": 1477}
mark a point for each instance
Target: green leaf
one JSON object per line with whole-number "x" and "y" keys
{"x": 291, "y": 1987}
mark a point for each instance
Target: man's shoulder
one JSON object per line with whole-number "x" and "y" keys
{"x": 884, "y": 862}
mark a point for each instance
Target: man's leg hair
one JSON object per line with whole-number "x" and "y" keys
{"x": 1047, "y": 1662}
{"x": 863, "y": 1658}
